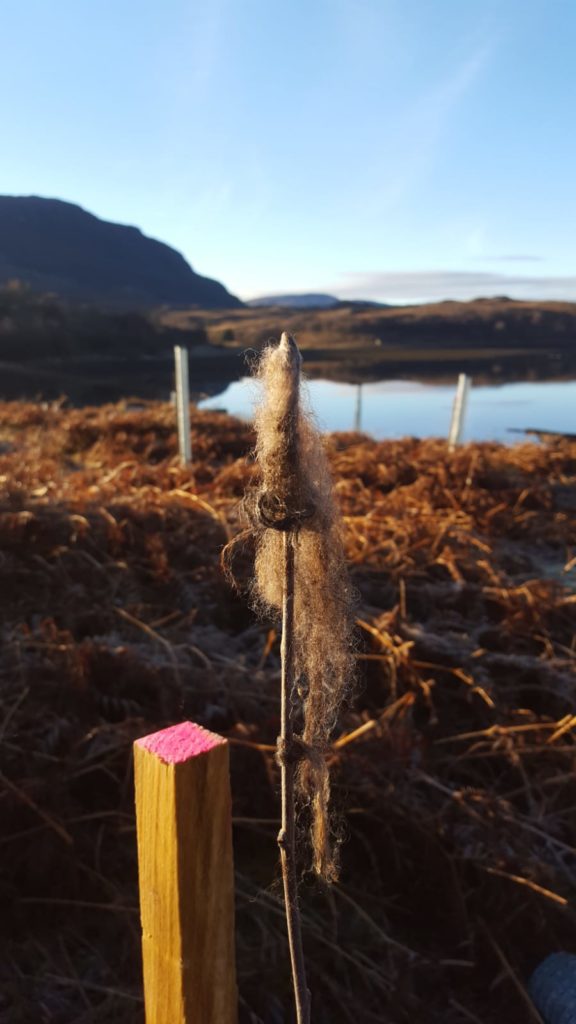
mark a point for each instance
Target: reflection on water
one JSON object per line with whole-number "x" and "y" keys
{"x": 396, "y": 408}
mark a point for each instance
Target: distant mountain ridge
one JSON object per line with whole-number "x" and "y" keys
{"x": 306, "y": 300}
{"x": 55, "y": 246}
{"x": 310, "y": 300}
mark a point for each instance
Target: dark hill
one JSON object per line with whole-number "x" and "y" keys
{"x": 58, "y": 247}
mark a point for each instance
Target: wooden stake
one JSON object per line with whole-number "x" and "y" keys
{"x": 184, "y": 825}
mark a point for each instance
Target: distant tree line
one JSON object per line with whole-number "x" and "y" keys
{"x": 41, "y": 326}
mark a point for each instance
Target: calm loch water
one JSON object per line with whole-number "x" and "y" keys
{"x": 396, "y": 408}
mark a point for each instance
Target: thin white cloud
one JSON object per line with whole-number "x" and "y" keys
{"x": 516, "y": 258}
{"x": 207, "y": 36}
{"x": 435, "y": 285}
{"x": 422, "y": 124}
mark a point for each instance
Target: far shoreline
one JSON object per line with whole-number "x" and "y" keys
{"x": 49, "y": 349}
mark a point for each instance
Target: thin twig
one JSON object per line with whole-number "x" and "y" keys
{"x": 286, "y": 836}
{"x": 512, "y": 975}
{"x": 92, "y": 986}
{"x": 26, "y": 799}
{"x": 554, "y": 896}
{"x": 160, "y": 639}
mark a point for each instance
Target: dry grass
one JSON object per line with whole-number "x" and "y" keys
{"x": 454, "y": 768}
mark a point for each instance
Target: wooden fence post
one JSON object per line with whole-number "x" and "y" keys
{"x": 459, "y": 411}
{"x": 183, "y": 404}
{"x": 186, "y": 879}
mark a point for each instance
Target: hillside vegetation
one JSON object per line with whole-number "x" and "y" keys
{"x": 499, "y": 323}
{"x": 36, "y": 327}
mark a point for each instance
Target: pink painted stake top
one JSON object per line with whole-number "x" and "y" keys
{"x": 180, "y": 742}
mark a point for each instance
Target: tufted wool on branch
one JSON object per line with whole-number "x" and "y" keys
{"x": 295, "y": 493}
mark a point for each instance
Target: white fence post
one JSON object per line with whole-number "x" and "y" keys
{"x": 183, "y": 404}
{"x": 358, "y": 409}
{"x": 459, "y": 411}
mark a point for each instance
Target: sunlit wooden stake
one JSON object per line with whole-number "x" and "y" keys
{"x": 183, "y": 404}
{"x": 184, "y": 826}
{"x": 459, "y": 411}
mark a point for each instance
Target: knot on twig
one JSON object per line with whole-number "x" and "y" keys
{"x": 276, "y": 515}
{"x": 295, "y": 751}
{"x": 291, "y": 752}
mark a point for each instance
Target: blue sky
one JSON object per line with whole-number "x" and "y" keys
{"x": 401, "y": 150}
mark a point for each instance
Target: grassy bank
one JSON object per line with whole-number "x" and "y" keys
{"x": 453, "y": 767}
